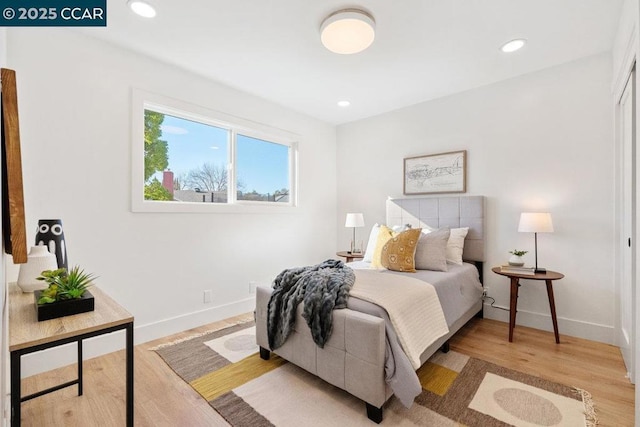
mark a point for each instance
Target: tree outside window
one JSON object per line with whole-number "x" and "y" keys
{"x": 188, "y": 161}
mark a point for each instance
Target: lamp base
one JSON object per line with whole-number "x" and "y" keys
{"x": 540, "y": 270}
{"x": 355, "y": 249}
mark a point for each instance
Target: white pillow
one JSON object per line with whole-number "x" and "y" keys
{"x": 400, "y": 228}
{"x": 373, "y": 238}
{"x": 455, "y": 245}
{"x": 371, "y": 244}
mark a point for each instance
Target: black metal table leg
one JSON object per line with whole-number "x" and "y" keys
{"x": 15, "y": 389}
{"x": 15, "y": 369}
{"x": 129, "y": 351}
{"x": 79, "y": 367}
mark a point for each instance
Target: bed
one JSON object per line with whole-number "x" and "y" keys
{"x": 362, "y": 355}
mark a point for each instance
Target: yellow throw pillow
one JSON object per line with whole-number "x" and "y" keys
{"x": 398, "y": 254}
{"x": 384, "y": 235}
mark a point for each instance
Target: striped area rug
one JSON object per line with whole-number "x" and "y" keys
{"x": 224, "y": 368}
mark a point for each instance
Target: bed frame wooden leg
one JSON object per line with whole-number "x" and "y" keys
{"x": 264, "y": 353}
{"x": 374, "y": 414}
{"x": 445, "y": 347}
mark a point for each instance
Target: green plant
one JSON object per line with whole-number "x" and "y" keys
{"x": 64, "y": 285}
{"x": 517, "y": 252}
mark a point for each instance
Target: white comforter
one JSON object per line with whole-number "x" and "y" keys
{"x": 413, "y": 307}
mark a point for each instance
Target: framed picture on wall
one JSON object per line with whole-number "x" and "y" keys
{"x": 436, "y": 173}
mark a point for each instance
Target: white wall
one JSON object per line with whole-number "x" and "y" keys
{"x": 75, "y": 116}
{"x": 626, "y": 38}
{"x": 542, "y": 141}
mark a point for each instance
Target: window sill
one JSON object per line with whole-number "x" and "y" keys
{"x": 148, "y": 206}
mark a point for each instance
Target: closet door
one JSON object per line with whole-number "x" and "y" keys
{"x": 628, "y": 285}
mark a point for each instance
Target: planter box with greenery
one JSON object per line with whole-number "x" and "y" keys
{"x": 67, "y": 293}
{"x": 65, "y": 307}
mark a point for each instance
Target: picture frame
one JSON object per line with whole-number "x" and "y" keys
{"x": 436, "y": 173}
{"x": 13, "y": 216}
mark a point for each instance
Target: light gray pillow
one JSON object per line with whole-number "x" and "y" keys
{"x": 431, "y": 252}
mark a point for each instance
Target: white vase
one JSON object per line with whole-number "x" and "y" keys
{"x": 516, "y": 261}
{"x": 38, "y": 260}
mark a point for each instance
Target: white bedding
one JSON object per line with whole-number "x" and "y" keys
{"x": 412, "y": 305}
{"x": 458, "y": 289}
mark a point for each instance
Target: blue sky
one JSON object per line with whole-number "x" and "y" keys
{"x": 261, "y": 166}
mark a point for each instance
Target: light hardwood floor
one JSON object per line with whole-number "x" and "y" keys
{"x": 163, "y": 399}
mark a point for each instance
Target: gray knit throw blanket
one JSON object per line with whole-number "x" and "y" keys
{"x": 322, "y": 287}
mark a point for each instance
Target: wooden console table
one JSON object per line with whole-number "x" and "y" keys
{"x": 27, "y": 335}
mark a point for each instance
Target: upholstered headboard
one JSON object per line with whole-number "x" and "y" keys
{"x": 452, "y": 212}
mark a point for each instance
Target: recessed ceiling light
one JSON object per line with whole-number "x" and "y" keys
{"x": 513, "y": 45}
{"x": 142, "y": 8}
{"x": 348, "y": 31}
{"x": 343, "y": 103}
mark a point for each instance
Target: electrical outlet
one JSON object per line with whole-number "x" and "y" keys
{"x": 485, "y": 292}
{"x": 208, "y": 296}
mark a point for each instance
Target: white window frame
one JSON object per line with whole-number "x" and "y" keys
{"x": 145, "y": 100}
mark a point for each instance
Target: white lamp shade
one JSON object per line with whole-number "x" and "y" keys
{"x": 535, "y": 222}
{"x": 38, "y": 260}
{"x": 348, "y": 31}
{"x": 354, "y": 220}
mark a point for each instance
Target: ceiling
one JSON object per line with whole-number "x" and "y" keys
{"x": 424, "y": 49}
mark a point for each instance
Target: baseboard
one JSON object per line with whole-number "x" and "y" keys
{"x": 162, "y": 328}
{"x": 571, "y": 327}
{"x": 65, "y": 355}
{"x": 57, "y": 357}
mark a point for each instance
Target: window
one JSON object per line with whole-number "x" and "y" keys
{"x": 262, "y": 170}
{"x": 184, "y": 160}
{"x": 188, "y": 159}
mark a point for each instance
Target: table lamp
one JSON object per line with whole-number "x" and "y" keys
{"x": 354, "y": 220}
{"x": 536, "y": 222}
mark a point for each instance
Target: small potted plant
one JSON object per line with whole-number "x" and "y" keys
{"x": 67, "y": 293}
{"x": 516, "y": 258}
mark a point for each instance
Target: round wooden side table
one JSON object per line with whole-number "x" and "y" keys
{"x": 350, "y": 256}
{"x": 548, "y": 277}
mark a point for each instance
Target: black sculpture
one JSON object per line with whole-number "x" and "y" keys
{"x": 51, "y": 235}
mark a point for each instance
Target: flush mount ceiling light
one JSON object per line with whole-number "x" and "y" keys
{"x": 513, "y": 45}
{"x": 142, "y": 8}
{"x": 348, "y": 31}
{"x": 343, "y": 103}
